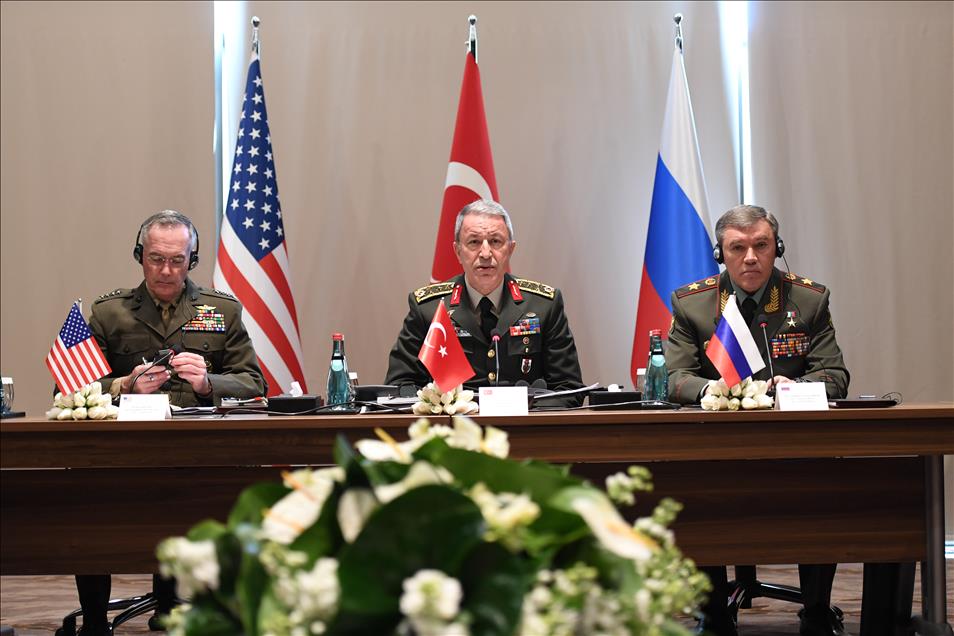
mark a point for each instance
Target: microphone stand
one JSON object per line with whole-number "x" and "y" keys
{"x": 768, "y": 352}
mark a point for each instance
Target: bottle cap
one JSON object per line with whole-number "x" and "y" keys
{"x": 655, "y": 332}
{"x": 337, "y": 336}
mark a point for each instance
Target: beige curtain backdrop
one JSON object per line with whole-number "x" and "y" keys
{"x": 107, "y": 112}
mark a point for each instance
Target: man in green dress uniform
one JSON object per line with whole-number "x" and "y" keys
{"x": 210, "y": 355}
{"x": 527, "y": 318}
{"x": 794, "y": 312}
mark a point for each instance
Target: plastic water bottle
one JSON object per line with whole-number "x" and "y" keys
{"x": 657, "y": 376}
{"x": 340, "y": 391}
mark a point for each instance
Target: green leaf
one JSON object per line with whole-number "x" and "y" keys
{"x": 495, "y": 582}
{"x": 427, "y": 527}
{"x": 208, "y": 618}
{"x": 251, "y": 585}
{"x": 254, "y": 500}
{"x": 207, "y": 530}
{"x": 538, "y": 480}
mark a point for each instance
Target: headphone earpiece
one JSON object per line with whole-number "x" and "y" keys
{"x": 779, "y": 250}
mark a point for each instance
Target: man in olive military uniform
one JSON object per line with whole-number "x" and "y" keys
{"x": 212, "y": 354}
{"x": 802, "y": 347}
{"x": 535, "y": 343}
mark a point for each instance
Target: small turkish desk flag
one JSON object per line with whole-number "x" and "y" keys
{"x": 442, "y": 354}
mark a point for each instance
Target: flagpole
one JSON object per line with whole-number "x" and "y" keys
{"x": 256, "y": 45}
{"x": 678, "y": 20}
{"x": 472, "y": 37}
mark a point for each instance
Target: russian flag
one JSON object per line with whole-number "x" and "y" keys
{"x": 678, "y": 247}
{"x": 732, "y": 348}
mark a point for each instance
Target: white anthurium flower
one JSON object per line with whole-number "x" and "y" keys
{"x": 612, "y": 531}
{"x": 65, "y": 414}
{"x": 467, "y": 434}
{"x": 749, "y": 390}
{"x": 95, "y": 388}
{"x": 736, "y": 390}
{"x": 78, "y": 400}
{"x": 63, "y": 401}
{"x": 193, "y": 563}
{"x": 713, "y": 389}
{"x": 387, "y": 449}
{"x": 355, "y": 507}
{"x": 298, "y": 510}
{"x": 96, "y": 413}
{"x": 105, "y": 399}
{"x": 711, "y": 402}
{"x": 748, "y": 404}
{"x": 765, "y": 401}
{"x": 53, "y": 412}
{"x": 79, "y": 413}
{"x": 733, "y": 404}
{"x": 113, "y": 411}
{"x": 421, "y": 474}
{"x": 431, "y": 594}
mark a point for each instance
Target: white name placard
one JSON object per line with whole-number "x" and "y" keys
{"x": 801, "y": 396}
{"x": 503, "y": 400}
{"x": 144, "y": 406}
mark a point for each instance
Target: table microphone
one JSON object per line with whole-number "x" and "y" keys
{"x": 495, "y": 338}
{"x": 763, "y": 322}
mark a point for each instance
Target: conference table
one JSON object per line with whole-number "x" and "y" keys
{"x": 843, "y": 485}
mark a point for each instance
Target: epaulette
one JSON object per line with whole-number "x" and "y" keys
{"x": 540, "y": 289}
{"x": 215, "y": 292}
{"x": 430, "y": 291}
{"x": 801, "y": 281}
{"x": 699, "y": 286}
{"x": 116, "y": 293}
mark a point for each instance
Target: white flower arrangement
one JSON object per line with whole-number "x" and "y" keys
{"x": 88, "y": 402}
{"x": 431, "y": 401}
{"x": 748, "y": 394}
{"x": 440, "y": 535}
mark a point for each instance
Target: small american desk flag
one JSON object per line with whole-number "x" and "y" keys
{"x": 75, "y": 359}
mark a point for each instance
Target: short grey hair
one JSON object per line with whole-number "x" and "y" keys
{"x": 170, "y": 218}
{"x": 744, "y": 216}
{"x": 485, "y": 207}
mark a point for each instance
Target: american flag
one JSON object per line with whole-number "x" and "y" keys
{"x": 252, "y": 261}
{"x": 75, "y": 359}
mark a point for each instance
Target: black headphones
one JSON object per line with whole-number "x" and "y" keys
{"x": 779, "y": 250}
{"x": 174, "y": 218}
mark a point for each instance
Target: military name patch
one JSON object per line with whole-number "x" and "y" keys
{"x": 206, "y": 320}
{"x": 790, "y": 345}
{"x": 525, "y": 327}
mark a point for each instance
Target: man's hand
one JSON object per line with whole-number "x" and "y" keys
{"x": 191, "y": 368}
{"x": 779, "y": 379}
{"x": 148, "y": 382}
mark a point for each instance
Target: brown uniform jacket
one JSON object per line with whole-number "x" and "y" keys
{"x": 799, "y": 329}
{"x": 128, "y": 327}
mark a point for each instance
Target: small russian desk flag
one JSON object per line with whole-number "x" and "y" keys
{"x": 732, "y": 348}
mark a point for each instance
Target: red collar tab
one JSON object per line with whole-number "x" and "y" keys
{"x": 455, "y": 297}
{"x": 515, "y": 291}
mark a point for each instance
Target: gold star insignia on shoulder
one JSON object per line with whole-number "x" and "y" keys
{"x": 807, "y": 281}
{"x": 790, "y": 276}
{"x": 694, "y": 286}
{"x": 710, "y": 281}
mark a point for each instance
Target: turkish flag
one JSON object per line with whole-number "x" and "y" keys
{"x": 442, "y": 354}
{"x": 470, "y": 172}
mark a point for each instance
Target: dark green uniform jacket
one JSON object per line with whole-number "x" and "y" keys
{"x": 128, "y": 327}
{"x": 799, "y": 328}
{"x": 535, "y": 343}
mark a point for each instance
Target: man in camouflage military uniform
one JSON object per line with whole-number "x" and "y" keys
{"x": 801, "y": 339}
{"x": 535, "y": 344}
{"x": 213, "y": 355}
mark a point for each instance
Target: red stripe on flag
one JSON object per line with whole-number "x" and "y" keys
{"x": 651, "y": 313}
{"x": 274, "y": 388}
{"x": 717, "y": 353}
{"x": 256, "y": 307}
{"x": 274, "y": 272}
{"x": 65, "y": 363}
{"x": 55, "y": 370}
